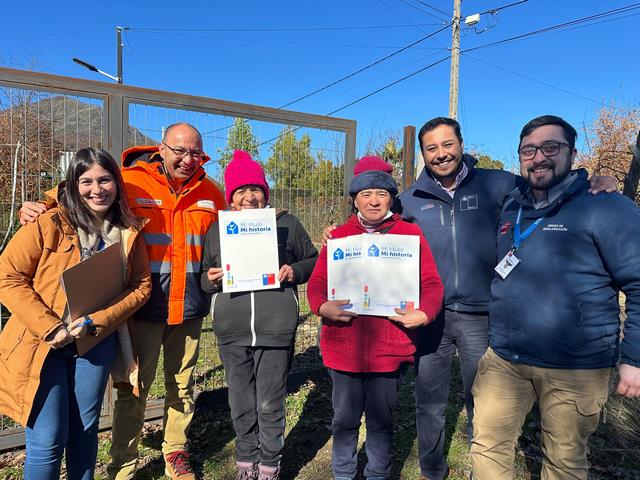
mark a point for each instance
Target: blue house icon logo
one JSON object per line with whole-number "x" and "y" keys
{"x": 373, "y": 251}
{"x": 338, "y": 254}
{"x": 232, "y": 228}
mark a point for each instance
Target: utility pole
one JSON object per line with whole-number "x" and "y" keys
{"x": 455, "y": 60}
{"x": 119, "y": 50}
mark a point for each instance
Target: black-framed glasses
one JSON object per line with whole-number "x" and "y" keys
{"x": 548, "y": 149}
{"x": 180, "y": 152}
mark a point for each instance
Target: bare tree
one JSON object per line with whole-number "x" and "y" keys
{"x": 611, "y": 140}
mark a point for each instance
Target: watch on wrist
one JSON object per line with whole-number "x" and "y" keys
{"x": 91, "y": 328}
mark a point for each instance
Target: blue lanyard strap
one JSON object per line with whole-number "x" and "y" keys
{"x": 518, "y": 238}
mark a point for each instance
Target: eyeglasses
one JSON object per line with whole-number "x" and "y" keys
{"x": 548, "y": 149}
{"x": 180, "y": 152}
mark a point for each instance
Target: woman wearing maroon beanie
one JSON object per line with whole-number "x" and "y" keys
{"x": 256, "y": 330}
{"x": 366, "y": 355}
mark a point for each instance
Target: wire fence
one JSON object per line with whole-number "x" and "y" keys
{"x": 44, "y": 119}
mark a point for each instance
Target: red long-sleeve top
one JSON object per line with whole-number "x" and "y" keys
{"x": 368, "y": 343}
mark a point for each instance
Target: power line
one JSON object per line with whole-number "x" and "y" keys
{"x": 517, "y": 37}
{"x": 421, "y": 10}
{"x": 340, "y": 80}
{"x": 368, "y": 95}
{"x": 406, "y": 47}
{"x": 446, "y": 14}
{"x": 499, "y": 42}
{"x": 559, "y": 26}
{"x": 61, "y": 34}
{"x": 265, "y": 30}
{"x": 414, "y": 24}
{"x": 283, "y": 42}
{"x": 564, "y": 90}
{"x": 497, "y": 9}
{"x": 389, "y": 85}
{"x": 365, "y": 82}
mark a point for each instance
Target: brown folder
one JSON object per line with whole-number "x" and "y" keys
{"x": 93, "y": 283}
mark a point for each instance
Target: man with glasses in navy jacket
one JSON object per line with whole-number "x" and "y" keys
{"x": 554, "y": 336}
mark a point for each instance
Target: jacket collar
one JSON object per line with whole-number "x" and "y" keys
{"x": 426, "y": 183}
{"x": 520, "y": 196}
{"x": 385, "y": 225}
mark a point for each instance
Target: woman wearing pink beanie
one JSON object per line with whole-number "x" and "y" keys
{"x": 256, "y": 330}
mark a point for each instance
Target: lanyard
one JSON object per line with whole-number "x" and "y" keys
{"x": 518, "y": 238}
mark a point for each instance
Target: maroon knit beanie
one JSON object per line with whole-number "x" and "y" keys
{"x": 243, "y": 170}
{"x": 372, "y": 162}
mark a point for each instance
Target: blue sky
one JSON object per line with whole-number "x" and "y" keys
{"x": 569, "y": 72}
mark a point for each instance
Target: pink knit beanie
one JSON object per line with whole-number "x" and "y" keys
{"x": 243, "y": 170}
{"x": 372, "y": 162}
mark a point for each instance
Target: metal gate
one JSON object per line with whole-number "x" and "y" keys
{"x": 45, "y": 118}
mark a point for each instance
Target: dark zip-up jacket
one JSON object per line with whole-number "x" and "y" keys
{"x": 559, "y": 307}
{"x": 264, "y": 318}
{"x": 461, "y": 231}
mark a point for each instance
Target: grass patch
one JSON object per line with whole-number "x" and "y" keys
{"x": 307, "y": 452}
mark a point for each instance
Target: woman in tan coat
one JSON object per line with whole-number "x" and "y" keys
{"x": 44, "y": 383}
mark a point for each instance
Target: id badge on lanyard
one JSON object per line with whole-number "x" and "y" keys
{"x": 510, "y": 260}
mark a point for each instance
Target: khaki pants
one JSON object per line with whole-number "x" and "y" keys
{"x": 570, "y": 402}
{"x": 180, "y": 346}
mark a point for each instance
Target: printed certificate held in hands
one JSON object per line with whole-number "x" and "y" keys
{"x": 249, "y": 249}
{"x": 377, "y": 273}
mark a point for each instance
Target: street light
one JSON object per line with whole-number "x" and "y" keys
{"x": 119, "y": 46}
{"x": 93, "y": 68}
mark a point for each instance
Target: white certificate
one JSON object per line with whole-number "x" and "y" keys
{"x": 249, "y": 249}
{"x": 377, "y": 273}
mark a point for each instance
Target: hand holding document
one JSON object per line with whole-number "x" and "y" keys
{"x": 377, "y": 273}
{"x": 249, "y": 250}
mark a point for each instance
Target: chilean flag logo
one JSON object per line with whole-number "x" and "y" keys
{"x": 504, "y": 228}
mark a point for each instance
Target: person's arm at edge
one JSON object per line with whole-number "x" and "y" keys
{"x": 304, "y": 251}
{"x": 317, "y": 283}
{"x": 210, "y": 258}
{"x": 619, "y": 244}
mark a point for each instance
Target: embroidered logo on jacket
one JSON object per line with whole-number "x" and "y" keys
{"x": 206, "y": 204}
{"x": 148, "y": 201}
{"x": 555, "y": 227}
{"x": 469, "y": 202}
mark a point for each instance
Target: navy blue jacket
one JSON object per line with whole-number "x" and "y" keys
{"x": 559, "y": 307}
{"x": 461, "y": 231}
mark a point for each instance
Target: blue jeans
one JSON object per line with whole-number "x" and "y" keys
{"x": 375, "y": 394}
{"x": 66, "y": 412}
{"x": 469, "y": 335}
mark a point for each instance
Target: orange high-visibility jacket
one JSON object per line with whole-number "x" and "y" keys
{"x": 174, "y": 234}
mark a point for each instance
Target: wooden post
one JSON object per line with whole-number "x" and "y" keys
{"x": 408, "y": 156}
{"x": 633, "y": 177}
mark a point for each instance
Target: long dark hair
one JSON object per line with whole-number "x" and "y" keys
{"x": 80, "y": 215}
